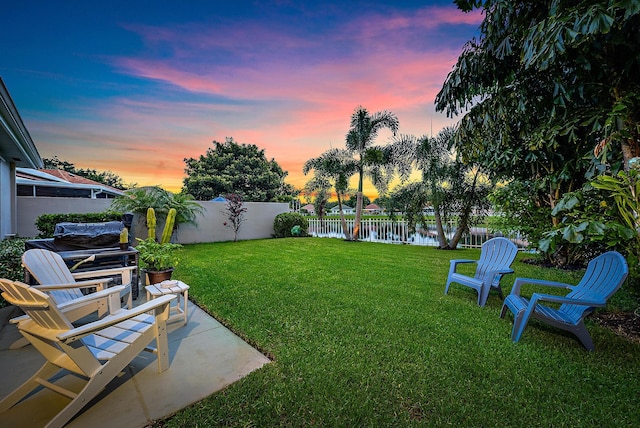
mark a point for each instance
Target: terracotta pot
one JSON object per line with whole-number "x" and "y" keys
{"x": 156, "y": 277}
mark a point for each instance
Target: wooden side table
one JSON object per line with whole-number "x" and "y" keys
{"x": 178, "y": 288}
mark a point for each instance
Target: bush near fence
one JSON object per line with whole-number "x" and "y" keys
{"x": 283, "y": 223}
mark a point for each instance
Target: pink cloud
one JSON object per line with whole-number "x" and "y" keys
{"x": 426, "y": 18}
{"x": 284, "y": 92}
{"x": 158, "y": 70}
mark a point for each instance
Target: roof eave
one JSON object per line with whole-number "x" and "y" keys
{"x": 21, "y": 148}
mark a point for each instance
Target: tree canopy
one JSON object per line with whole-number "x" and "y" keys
{"x": 550, "y": 98}
{"x": 105, "y": 177}
{"x": 454, "y": 188}
{"x": 318, "y": 188}
{"x": 336, "y": 166}
{"x": 546, "y": 83}
{"x": 241, "y": 169}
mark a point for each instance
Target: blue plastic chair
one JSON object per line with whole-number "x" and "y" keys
{"x": 603, "y": 277}
{"x": 496, "y": 257}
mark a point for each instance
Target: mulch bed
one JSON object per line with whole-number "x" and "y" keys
{"x": 625, "y": 324}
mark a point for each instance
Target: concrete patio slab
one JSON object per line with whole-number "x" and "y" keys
{"x": 204, "y": 357}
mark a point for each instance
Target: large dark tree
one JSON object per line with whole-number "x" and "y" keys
{"x": 240, "y": 169}
{"x": 546, "y": 83}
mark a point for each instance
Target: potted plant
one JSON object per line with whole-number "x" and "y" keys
{"x": 157, "y": 259}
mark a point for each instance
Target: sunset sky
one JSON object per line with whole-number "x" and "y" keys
{"x": 135, "y": 87}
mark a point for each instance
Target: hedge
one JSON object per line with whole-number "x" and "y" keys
{"x": 11, "y": 261}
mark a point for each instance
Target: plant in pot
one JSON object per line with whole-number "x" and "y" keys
{"x": 158, "y": 259}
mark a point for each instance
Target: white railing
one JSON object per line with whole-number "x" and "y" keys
{"x": 397, "y": 232}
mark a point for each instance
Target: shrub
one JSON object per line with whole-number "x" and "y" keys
{"x": 138, "y": 200}
{"x": 46, "y": 223}
{"x": 156, "y": 256}
{"x": 11, "y": 261}
{"x": 284, "y": 222}
{"x": 235, "y": 211}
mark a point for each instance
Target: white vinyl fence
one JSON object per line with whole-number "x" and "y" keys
{"x": 397, "y": 232}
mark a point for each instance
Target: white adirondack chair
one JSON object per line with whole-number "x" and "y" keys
{"x": 50, "y": 270}
{"x": 97, "y": 351}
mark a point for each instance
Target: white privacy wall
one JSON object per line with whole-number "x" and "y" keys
{"x": 257, "y": 224}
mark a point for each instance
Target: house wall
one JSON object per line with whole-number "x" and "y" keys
{"x": 7, "y": 206}
{"x": 16, "y": 150}
{"x": 257, "y": 224}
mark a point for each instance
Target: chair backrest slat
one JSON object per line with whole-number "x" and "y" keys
{"x": 496, "y": 253}
{"x": 36, "y": 304}
{"x": 47, "y": 267}
{"x": 604, "y": 276}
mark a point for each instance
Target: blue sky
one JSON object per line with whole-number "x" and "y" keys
{"x": 135, "y": 87}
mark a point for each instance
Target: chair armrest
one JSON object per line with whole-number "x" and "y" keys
{"x": 453, "y": 264}
{"x": 81, "y": 301}
{"x": 537, "y": 297}
{"x": 79, "y": 284}
{"x": 103, "y": 272}
{"x": 123, "y": 315}
{"x": 503, "y": 271}
{"x": 17, "y": 320}
{"x": 519, "y": 282}
{"x": 495, "y": 276}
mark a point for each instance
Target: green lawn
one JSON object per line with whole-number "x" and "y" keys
{"x": 361, "y": 335}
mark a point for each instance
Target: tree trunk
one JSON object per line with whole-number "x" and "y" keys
{"x": 463, "y": 219}
{"x": 442, "y": 239}
{"x": 345, "y": 228}
{"x": 356, "y": 224}
{"x": 462, "y": 228}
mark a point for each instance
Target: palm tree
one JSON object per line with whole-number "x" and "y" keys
{"x": 434, "y": 160}
{"x": 455, "y": 188}
{"x": 373, "y": 161}
{"x": 337, "y": 166}
{"x": 318, "y": 186}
